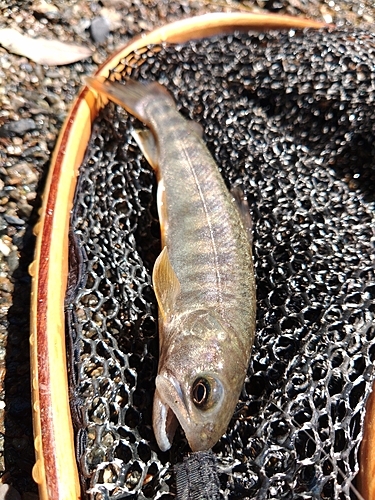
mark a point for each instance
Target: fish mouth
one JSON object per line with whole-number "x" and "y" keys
{"x": 168, "y": 411}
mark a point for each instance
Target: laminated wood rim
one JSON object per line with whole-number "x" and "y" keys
{"x": 366, "y": 475}
{"x": 55, "y": 470}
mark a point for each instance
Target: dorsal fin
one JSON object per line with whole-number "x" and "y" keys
{"x": 166, "y": 284}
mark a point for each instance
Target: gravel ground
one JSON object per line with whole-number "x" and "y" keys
{"x": 34, "y": 100}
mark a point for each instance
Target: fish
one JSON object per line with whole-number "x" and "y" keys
{"x": 203, "y": 278}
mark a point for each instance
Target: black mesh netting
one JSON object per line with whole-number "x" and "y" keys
{"x": 292, "y": 117}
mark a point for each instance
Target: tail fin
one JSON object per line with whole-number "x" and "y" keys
{"x": 132, "y": 96}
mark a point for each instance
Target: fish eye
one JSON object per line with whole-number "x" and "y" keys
{"x": 206, "y": 392}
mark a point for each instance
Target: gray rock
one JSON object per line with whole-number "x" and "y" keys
{"x": 19, "y": 127}
{"x": 99, "y": 29}
{"x": 13, "y": 262}
{"x": 14, "y": 221}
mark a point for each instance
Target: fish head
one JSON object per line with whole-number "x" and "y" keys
{"x": 198, "y": 384}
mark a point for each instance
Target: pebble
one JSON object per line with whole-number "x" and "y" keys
{"x": 4, "y": 249}
{"x": 17, "y": 102}
{"x": 16, "y": 194}
{"x": 52, "y": 73}
{"x": 25, "y": 210}
{"x": 15, "y": 221}
{"x": 11, "y": 231}
{"x": 114, "y": 18}
{"x": 7, "y": 492}
{"x": 14, "y": 150}
{"x": 5, "y": 284}
{"x": 42, "y": 7}
{"x": 19, "y": 127}
{"x": 21, "y": 173}
{"x": 17, "y": 240}
{"x": 27, "y": 67}
{"x": 13, "y": 261}
{"x": 99, "y": 29}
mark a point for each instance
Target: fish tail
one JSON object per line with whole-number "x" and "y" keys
{"x": 132, "y": 96}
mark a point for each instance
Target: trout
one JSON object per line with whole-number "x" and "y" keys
{"x": 203, "y": 279}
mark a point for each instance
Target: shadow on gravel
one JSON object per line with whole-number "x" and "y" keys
{"x": 18, "y": 433}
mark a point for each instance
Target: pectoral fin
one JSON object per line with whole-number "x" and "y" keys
{"x": 147, "y": 144}
{"x": 243, "y": 207}
{"x": 166, "y": 284}
{"x": 196, "y": 128}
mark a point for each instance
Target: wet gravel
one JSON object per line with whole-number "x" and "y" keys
{"x": 34, "y": 100}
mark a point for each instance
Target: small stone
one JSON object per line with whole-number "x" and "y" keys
{"x": 52, "y": 73}
{"x": 5, "y": 284}
{"x": 143, "y": 25}
{"x": 21, "y": 173}
{"x": 11, "y": 231}
{"x": 27, "y": 67}
{"x": 17, "y": 240}
{"x": 368, "y": 18}
{"x": 98, "y": 58}
{"x": 17, "y": 141}
{"x": 14, "y": 150}
{"x": 52, "y": 98}
{"x": 19, "y": 127}
{"x": 113, "y": 17}
{"x": 7, "y": 492}
{"x": 17, "y": 102}
{"x": 15, "y": 221}
{"x": 31, "y": 196}
{"x": 4, "y": 249}
{"x": 42, "y": 7}
{"x": 25, "y": 210}
{"x": 13, "y": 261}
{"x": 99, "y": 29}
